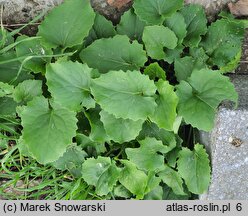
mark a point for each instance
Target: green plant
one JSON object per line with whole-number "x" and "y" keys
{"x": 25, "y": 179}
{"x": 106, "y": 103}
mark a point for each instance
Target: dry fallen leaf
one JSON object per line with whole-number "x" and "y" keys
{"x": 235, "y": 141}
{"x": 118, "y": 3}
{"x": 240, "y": 8}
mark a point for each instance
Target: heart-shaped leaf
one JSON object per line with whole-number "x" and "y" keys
{"x": 115, "y": 53}
{"x": 127, "y": 95}
{"x": 200, "y": 96}
{"x": 67, "y": 25}
{"x": 69, "y": 83}
{"x": 47, "y": 129}
{"x": 155, "y": 11}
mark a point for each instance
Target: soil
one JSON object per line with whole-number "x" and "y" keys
{"x": 243, "y": 67}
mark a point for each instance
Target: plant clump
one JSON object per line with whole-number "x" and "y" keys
{"x": 108, "y": 103}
